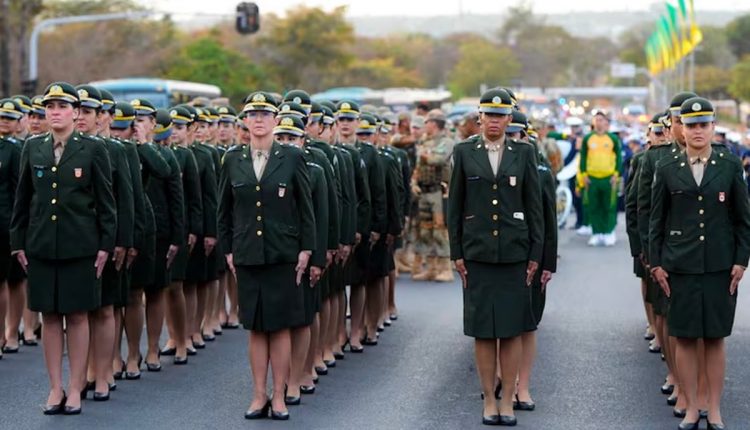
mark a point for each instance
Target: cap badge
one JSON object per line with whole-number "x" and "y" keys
{"x": 9, "y": 105}
{"x": 56, "y": 90}
{"x": 83, "y": 94}
{"x": 346, "y": 106}
{"x": 173, "y": 113}
{"x": 135, "y": 102}
{"x": 364, "y": 123}
{"x": 696, "y": 107}
{"x": 260, "y": 98}
{"x": 118, "y": 112}
{"x": 287, "y": 122}
{"x": 496, "y": 100}
{"x": 297, "y": 100}
{"x": 285, "y": 108}
{"x": 223, "y": 110}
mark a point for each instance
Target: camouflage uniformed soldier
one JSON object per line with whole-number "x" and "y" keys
{"x": 430, "y": 183}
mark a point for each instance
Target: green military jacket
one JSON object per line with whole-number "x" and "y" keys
{"x": 266, "y": 220}
{"x": 64, "y": 210}
{"x": 325, "y": 157}
{"x": 548, "y": 183}
{"x": 495, "y": 218}
{"x": 394, "y": 190}
{"x": 406, "y": 172}
{"x": 348, "y": 201}
{"x": 204, "y": 157}
{"x": 191, "y": 188}
{"x": 647, "y": 166}
{"x": 631, "y": 205}
{"x": 167, "y": 199}
{"x": 360, "y": 191}
{"x": 122, "y": 188}
{"x": 319, "y": 194}
{"x": 704, "y": 228}
{"x": 376, "y": 184}
{"x": 10, "y": 165}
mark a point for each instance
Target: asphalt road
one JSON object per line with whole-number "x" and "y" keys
{"x": 593, "y": 369}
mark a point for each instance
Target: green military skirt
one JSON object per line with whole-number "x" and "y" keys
{"x": 377, "y": 263}
{"x": 5, "y": 258}
{"x": 325, "y": 284}
{"x": 311, "y": 299}
{"x": 113, "y": 286}
{"x": 336, "y": 282}
{"x": 390, "y": 259}
{"x": 195, "y": 268}
{"x": 63, "y": 286}
{"x": 161, "y": 277}
{"x": 538, "y": 300}
{"x": 358, "y": 269}
{"x": 144, "y": 265}
{"x": 656, "y": 297}
{"x": 178, "y": 270}
{"x": 496, "y": 300}
{"x": 700, "y": 305}
{"x": 638, "y": 268}
{"x": 269, "y": 297}
{"x": 213, "y": 263}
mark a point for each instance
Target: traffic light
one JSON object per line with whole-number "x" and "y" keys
{"x": 248, "y": 18}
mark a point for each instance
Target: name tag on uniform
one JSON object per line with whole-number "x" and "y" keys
{"x": 675, "y": 233}
{"x": 518, "y": 215}
{"x": 513, "y": 184}
{"x": 78, "y": 172}
{"x": 722, "y": 196}
{"x": 282, "y": 190}
{"x": 473, "y": 178}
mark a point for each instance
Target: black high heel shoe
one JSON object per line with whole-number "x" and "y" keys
{"x": 168, "y": 352}
{"x": 90, "y": 386}
{"x": 368, "y": 342}
{"x": 507, "y": 420}
{"x": 119, "y": 374}
{"x": 304, "y": 389}
{"x": 672, "y": 400}
{"x": 713, "y": 426}
{"x": 154, "y": 367}
{"x": 523, "y": 406}
{"x": 322, "y": 371}
{"x": 279, "y": 416}
{"x": 180, "y": 361}
{"x": 491, "y": 420}
{"x": 689, "y": 426}
{"x": 27, "y": 342}
{"x": 101, "y": 397}
{"x": 132, "y": 376}
{"x": 258, "y": 413}
{"x": 667, "y": 389}
{"x": 338, "y": 355}
{"x": 329, "y": 363}
{"x": 71, "y": 410}
{"x": 55, "y": 409}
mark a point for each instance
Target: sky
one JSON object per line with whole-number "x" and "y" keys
{"x": 182, "y": 9}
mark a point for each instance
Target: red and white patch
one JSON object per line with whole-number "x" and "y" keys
{"x": 282, "y": 191}
{"x": 78, "y": 172}
{"x": 722, "y": 196}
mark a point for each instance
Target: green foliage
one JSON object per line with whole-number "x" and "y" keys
{"x": 482, "y": 62}
{"x": 738, "y": 35}
{"x": 739, "y": 86}
{"x": 712, "y": 81}
{"x": 205, "y": 60}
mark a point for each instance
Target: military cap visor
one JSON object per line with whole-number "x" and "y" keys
{"x": 290, "y": 125}
{"x": 37, "y": 107}
{"x": 61, "y": 91}
{"x": 366, "y": 127}
{"x": 143, "y": 107}
{"x": 496, "y": 106}
{"x": 347, "y": 109}
{"x": 697, "y": 110}
{"x": 10, "y": 109}
{"x": 515, "y": 127}
{"x": 89, "y": 99}
{"x": 260, "y": 101}
{"x": 123, "y": 116}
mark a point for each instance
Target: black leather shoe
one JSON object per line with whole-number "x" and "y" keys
{"x": 523, "y": 406}
{"x": 712, "y": 426}
{"x": 132, "y": 376}
{"x": 70, "y": 410}
{"x": 279, "y": 416}
{"x": 654, "y": 349}
{"x": 338, "y": 355}
{"x": 258, "y": 413}
{"x": 394, "y": 317}
{"x": 168, "y": 352}
{"x": 101, "y": 397}
{"x": 322, "y": 371}
{"x": 199, "y": 345}
{"x": 90, "y": 385}
{"x": 27, "y": 342}
{"x": 10, "y": 349}
{"x": 356, "y": 350}
{"x": 55, "y": 409}
{"x": 689, "y": 426}
{"x": 506, "y": 420}
{"x": 292, "y": 400}
{"x": 180, "y": 361}
{"x": 369, "y": 342}
{"x": 679, "y": 413}
{"x": 667, "y": 389}
{"x": 218, "y": 332}
{"x": 381, "y": 329}
{"x": 330, "y": 363}
{"x": 387, "y": 323}
{"x": 112, "y": 386}
{"x": 672, "y": 400}
{"x": 120, "y": 373}
{"x": 153, "y": 367}
{"x": 491, "y": 420}
{"x": 191, "y": 352}
{"x": 304, "y": 389}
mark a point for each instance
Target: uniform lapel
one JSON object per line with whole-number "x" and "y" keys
{"x": 274, "y": 161}
{"x": 47, "y": 150}
{"x": 73, "y": 145}
{"x": 246, "y": 165}
{"x": 712, "y": 169}
{"x": 684, "y": 172}
{"x": 509, "y": 157}
{"x": 480, "y": 157}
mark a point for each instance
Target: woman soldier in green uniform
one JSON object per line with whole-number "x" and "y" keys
{"x": 517, "y": 130}
{"x": 144, "y": 162}
{"x": 166, "y": 195}
{"x": 267, "y": 225}
{"x": 62, "y": 231}
{"x": 699, "y": 248}
{"x": 496, "y": 237}
{"x": 290, "y": 131}
{"x": 102, "y": 320}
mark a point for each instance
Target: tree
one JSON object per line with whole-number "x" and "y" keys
{"x": 739, "y": 86}
{"x": 309, "y": 48}
{"x": 714, "y": 50}
{"x": 205, "y": 60}
{"x": 738, "y": 35}
{"x": 712, "y": 81}
{"x": 482, "y": 62}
